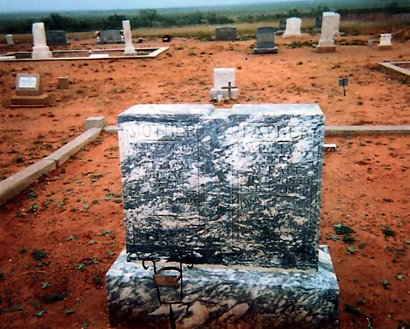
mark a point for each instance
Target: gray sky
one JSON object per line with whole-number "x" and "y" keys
{"x": 61, "y": 5}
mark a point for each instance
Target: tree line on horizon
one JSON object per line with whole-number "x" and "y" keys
{"x": 150, "y": 18}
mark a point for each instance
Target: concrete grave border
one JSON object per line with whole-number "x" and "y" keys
{"x": 155, "y": 51}
{"x": 15, "y": 184}
{"x": 394, "y": 70}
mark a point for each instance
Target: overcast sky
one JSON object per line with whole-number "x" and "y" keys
{"x": 61, "y": 5}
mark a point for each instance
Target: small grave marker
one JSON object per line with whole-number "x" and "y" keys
{"x": 29, "y": 91}
{"x": 343, "y": 83}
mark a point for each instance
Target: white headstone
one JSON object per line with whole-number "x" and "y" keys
{"x": 385, "y": 40}
{"x": 329, "y": 25}
{"x": 129, "y": 48}
{"x": 9, "y": 39}
{"x": 223, "y": 78}
{"x": 40, "y": 48}
{"x": 293, "y": 26}
{"x": 336, "y": 32}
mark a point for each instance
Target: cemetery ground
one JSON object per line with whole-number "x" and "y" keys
{"x": 61, "y": 235}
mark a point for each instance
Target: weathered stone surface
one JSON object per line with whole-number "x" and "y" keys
{"x": 56, "y": 37}
{"x": 94, "y": 122}
{"x": 293, "y": 26}
{"x": 226, "y": 33}
{"x": 227, "y": 186}
{"x": 222, "y": 297}
{"x": 110, "y": 36}
{"x": 265, "y": 41}
{"x": 223, "y": 77}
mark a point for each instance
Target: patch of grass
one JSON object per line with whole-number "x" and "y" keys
{"x": 351, "y": 250}
{"x": 40, "y": 313}
{"x": 38, "y": 254}
{"x": 105, "y": 233}
{"x": 348, "y": 239}
{"x": 68, "y": 312}
{"x": 45, "y": 285}
{"x": 342, "y": 229}
{"x": 71, "y": 238}
{"x": 80, "y": 267}
{"x": 387, "y": 231}
{"x": 52, "y": 298}
{"x": 353, "y": 310}
{"x": 386, "y": 284}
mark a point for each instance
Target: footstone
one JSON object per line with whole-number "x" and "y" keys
{"x": 9, "y": 39}
{"x": 220, "y": 297}
{"x": 226, "y": 33}
{"x": 223, "y": 78}
{"x": 265, "y": 41}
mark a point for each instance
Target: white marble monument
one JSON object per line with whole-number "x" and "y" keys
{"x": 129, "y": 48}
{"x": 293, "y": 26}
{"x": 224, "y": 85}
{"x": 385, "y": 41}
{"x": 9, "y": 39}
{"x": 40, "y": 48}
{"x": 329, "y": 25}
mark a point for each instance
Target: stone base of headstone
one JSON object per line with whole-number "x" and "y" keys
{"x": 222, "y": 94}
{"x": 30, "y": 101}
{"x": 130, "y": 51}
{"x": 261, "y": 51}
{"x": 41, "y": 53}
{"x": 326, "y": 49}
{"x": 384, "y": 47}
{"x": 222, "y": 297}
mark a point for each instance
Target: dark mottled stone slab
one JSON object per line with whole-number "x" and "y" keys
{"x": 226, "y": 33}
{"x": 222, "y": 297}
{"x": 227, "y": 186}
{"x": 56, "y": 37}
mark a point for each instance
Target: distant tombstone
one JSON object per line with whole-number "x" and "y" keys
{"x": 336, "y": 31}
{"x": 318, "y": 25}
{"x": 293, "y": 26}
{"x": 56, "y": 37}
{"x": 40, "y": 48}
{"x": 235, "y": 192}
{"x": 110, "y": 36}
{"x": 166, "y": 38}
{"x": 9, "y": 39}
{"x": 29, "y": 91}
{"x": 224, "y": 87}
{"x": 129, "y": 48}
{"x": 226, "y": 33}
{"x": 265, "y": 41}
{"x": 385, "y": 41}
{"x": 282, "y": 27}
{"x": 329, "y": 24}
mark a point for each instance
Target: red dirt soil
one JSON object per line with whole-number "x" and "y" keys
{"x": 74, "y": 215}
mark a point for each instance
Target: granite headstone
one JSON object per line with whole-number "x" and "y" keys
{"x": 56, "y": 37}
{"x": 265, "y": 41}
{"x": 110, "y": 36}
{"x": 226, "y": 33}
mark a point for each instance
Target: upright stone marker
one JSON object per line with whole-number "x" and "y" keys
{"x": 385, "y": 41}
{"x": 293, "y": 26}
{"x": 129, "y": 48}
{"x": 329, "y": 24}
{"x": 224, "y": 78}
{"x": 56, "y": 38}
{"x": 238, "y": 188}
{"x": 318, "y": 25}
{"x": 40, "y": 48}
{"x": 110, "y": 36}
{"x": 282, "y": 27}
{"x": 226, "y": 33}
{"x": 9, "y": 39}
{"x": 265, "y": 41}
{"x": 29, "y": 91}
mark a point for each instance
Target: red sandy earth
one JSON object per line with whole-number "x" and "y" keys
{"x": 75, "y": 213}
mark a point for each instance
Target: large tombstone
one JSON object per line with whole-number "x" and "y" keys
{"x": 224, "y": 87}
{"x": 226, "y": 33}
{"x": 293, "y": 26}
{"x": 265, "y": 41}
{"x": 235, "y": 191}
{"x": 318, "y": 25}
{"x": 129, "y": 48}
{"x": 385, "y": 41}
{"x": 40, "y": 48}
{"x": 330, "y": 23}
{"x": 110, "y": 36}
{"x": 29, "y": 91}
{"x": 56, "y": 38}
